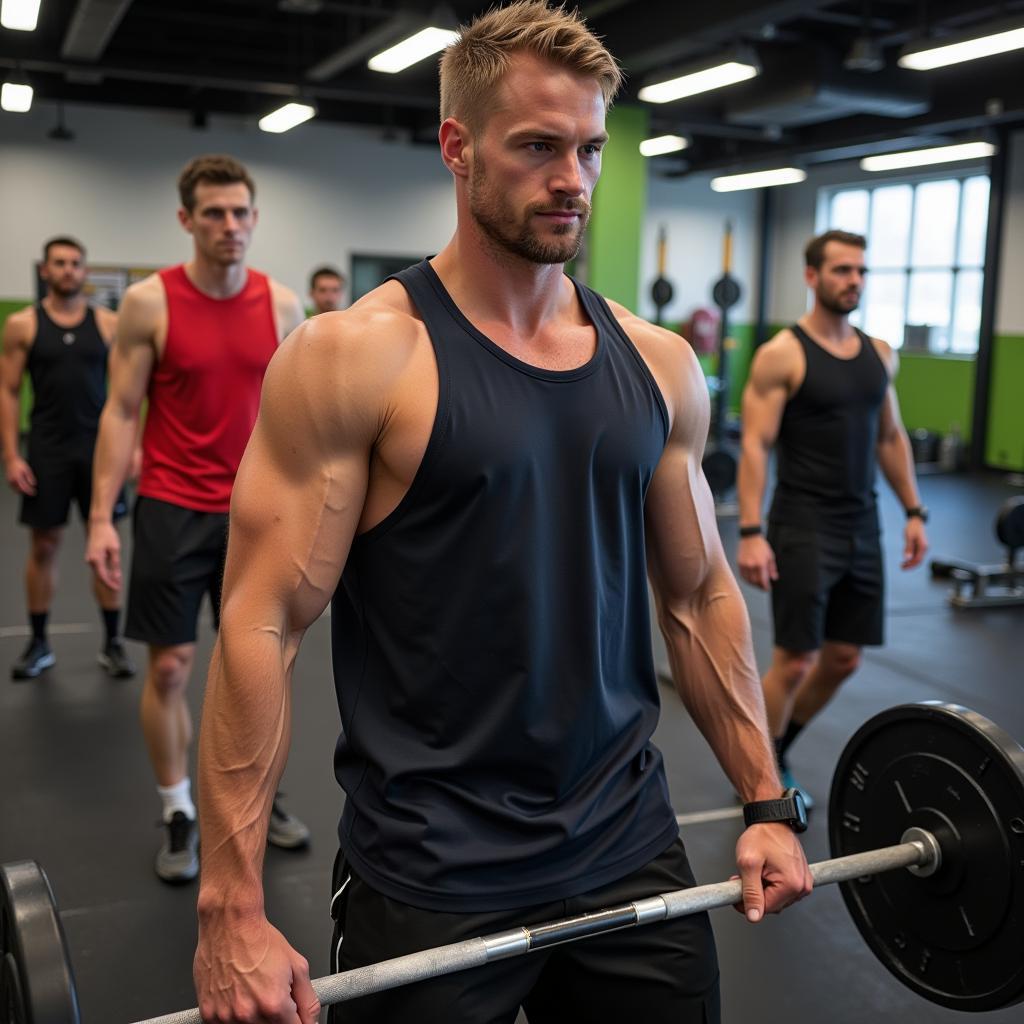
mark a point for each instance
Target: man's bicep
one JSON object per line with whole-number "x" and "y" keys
{"x": 299, "y": 493}
{"x": 681, "y": 531}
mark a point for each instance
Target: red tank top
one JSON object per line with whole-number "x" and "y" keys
{"x": 205, "y": 391}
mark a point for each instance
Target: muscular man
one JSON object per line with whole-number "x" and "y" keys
{"x": 468, "y": 460}
{"x": 196, "y": 339}
{"x": 62, "y": 342}
{"x": 325, "y": 287}
{"x": 821, "y": 393}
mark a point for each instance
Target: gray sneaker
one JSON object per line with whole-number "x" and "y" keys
{"x": 178, "y": 859}
{"x": 286, "y": 831}
{"x": 114, "y": 658}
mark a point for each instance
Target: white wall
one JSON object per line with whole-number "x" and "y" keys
{"x": 694, "y": 218}
{"x": 323, "y": 191}
{"x": 1010, "y": 300}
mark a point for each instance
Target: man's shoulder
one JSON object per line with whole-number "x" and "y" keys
{"x": 381, "y": 326}
{"x": 643, "y": 333}
{"x": 21, "y": 324}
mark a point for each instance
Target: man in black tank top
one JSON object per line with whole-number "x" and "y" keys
{"x": 62, "y": 342}
{"x": 821, "y": 394}
{"x": 478, "y": 464}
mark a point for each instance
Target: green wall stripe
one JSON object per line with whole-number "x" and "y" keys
{"x": 1004, "y": 446}
{"x": 620, "y": 205}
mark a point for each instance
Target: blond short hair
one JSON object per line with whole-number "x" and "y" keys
{"x": 474, "y": 64}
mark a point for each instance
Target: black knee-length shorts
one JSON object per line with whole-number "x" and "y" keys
{"x": 665, "y": 973}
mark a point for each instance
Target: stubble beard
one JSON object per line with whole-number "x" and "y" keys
{"x": 513, "y": 237}
{"x": 836, "y": 304}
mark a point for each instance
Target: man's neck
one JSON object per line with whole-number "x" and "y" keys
{"x": 218, "y": 280}
{"x": 832, "y": 328}
{"x": 65, "y": 307}
{"x": 494, "y": 286}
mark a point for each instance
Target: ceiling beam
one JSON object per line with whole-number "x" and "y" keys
{"x": 91, "y": 28}
{"x": 365, "y": 46}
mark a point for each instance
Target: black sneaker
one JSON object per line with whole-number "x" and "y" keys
{"x": 114, "y": 658}
{"x": 178, "y": 859}
{"x": 36, "y": 658}
{"x": 285, "y": 830}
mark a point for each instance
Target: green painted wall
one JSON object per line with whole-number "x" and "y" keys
{"x": 620, "y": 205}
{"x": 936, "y": 393}
{"x": 1004, "y": 446}
{"x": 7, "y": 307}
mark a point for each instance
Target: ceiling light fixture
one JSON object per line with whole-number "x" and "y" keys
{"x": 922, "y": 157}
{"x": 16, "y": 93}
{"x": 980, "y": 42}
{"x": 20, "y": 15}
{"x": 758, "y": 179}
{"x": 287, "y": 117}
{"x": 411, "y": 51}
{"x": 735, "y": 67}
{"x": 662, "y": 144}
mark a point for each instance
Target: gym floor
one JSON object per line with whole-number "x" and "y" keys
{"x": 77, "y": 793}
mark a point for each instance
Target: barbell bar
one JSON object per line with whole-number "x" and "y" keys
{"x": 944, "y": 780}
{"x": 917, "y": 850}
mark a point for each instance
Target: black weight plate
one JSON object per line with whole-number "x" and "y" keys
{"x": 662, "y": 292}
{"x": 719, "y": 468}
{"x": 726, "y": 292}
{"x": 957, "y": 937}
{"x": 1010, "y": 522}
{"x": 34, "y": 949}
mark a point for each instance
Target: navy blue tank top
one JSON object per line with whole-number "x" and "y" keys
{"x": 491, "y": 636}
{"x": 68, "y": 367}
{"x": 825, "y": 452}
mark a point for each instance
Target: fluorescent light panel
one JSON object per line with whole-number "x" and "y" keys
{"x": 663, "y": 144}
{"x": 698, "y": 81}
{"x": 412, "y": 50}
{"x": 941, "y": 55}
{"x": 16, "y": 98}
{"x": 921, "y": 157}
{"x": 287, "y": 117}
{"x": 758, "y": 179}
{"x": 20, "y": 15}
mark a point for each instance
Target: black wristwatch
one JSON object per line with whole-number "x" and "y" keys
{"x": 918, "y": 512}
{"x": 788, "y": 809}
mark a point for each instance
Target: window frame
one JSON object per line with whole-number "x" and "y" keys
{"x": 826, "y": 195}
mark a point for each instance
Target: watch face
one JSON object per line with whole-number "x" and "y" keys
{"x": 800, "y": 822}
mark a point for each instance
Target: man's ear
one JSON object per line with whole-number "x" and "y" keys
{"x": 456, "y": 146}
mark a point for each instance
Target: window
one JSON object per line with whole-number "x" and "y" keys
{"x": 926, "y": 257}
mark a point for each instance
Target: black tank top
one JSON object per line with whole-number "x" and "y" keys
{"x": 825, "y": 451}
{"x": 68, "y": 367}
{"x": 491, "y": 637}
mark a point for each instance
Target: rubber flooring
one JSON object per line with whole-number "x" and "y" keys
{"x": 77, "y": 793}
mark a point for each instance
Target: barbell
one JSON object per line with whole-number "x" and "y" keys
{"x": 941, "y": 784}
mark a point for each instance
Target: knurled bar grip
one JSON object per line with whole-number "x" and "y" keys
{"x": 922, "y": 851}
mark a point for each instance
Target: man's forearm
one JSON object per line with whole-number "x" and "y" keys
{"x": 750, "y": 482}
{"x": 711, "y": 654}
{"x": 243, "y": 747}
{"x": 112, "y": 460}
{"x": 896, "y": 462}
{"x": 10, "y": 414}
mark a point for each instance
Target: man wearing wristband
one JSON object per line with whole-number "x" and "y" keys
{"x": 821, "y": 394}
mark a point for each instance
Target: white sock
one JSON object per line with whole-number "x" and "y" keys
{"x": 177, "y": 798}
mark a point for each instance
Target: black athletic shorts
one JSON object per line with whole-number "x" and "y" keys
{"x": 62, "y": 476}
{"x": 830, "y": 587}
{"x": 665, "y": 973}
{"x": 178, "y": 556}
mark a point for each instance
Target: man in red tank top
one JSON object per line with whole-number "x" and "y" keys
{"x": 195, "y": 340}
